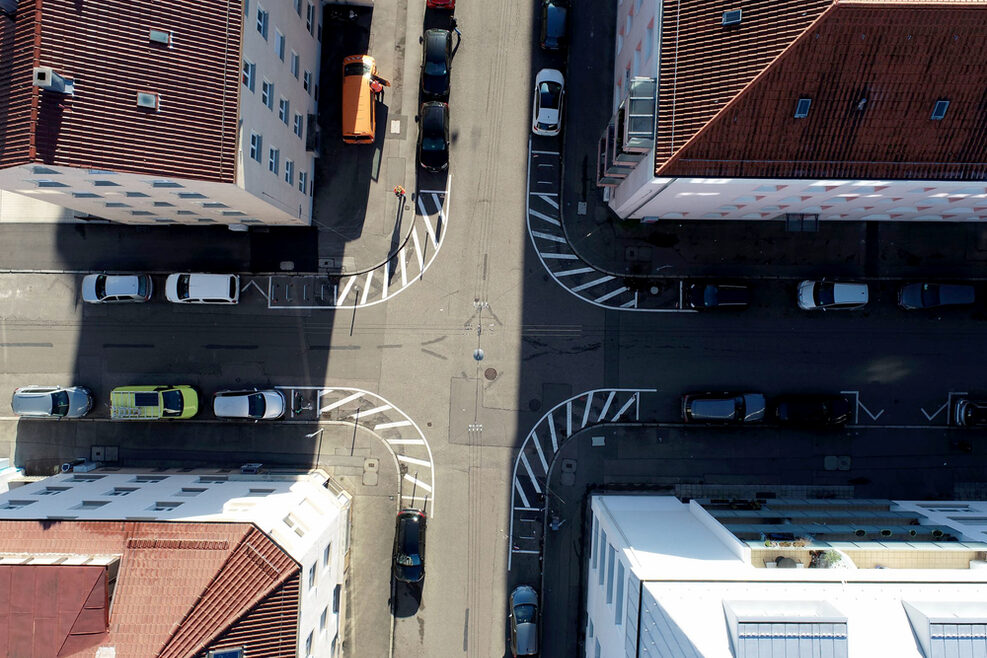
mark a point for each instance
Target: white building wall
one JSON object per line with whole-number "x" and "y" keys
{"x": 301, "y": 32}
{"x": 142, "y": 199}
{"x": 298, "y": 512}
{"x": 768, "y": 198}
{"x": 636, "y": 45}
{"x": 605, "y": 611}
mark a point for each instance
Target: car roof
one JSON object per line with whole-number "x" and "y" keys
{"x": 32, "y": 402}
{"x": 434, "y": 116}
{"x": 714, "y": 408}
{"x": 549, "y": 75}
{"x": 849, "y": 293}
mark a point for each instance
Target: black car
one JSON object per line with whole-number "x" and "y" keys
{"x": 553, "y": 20}
{"x": 970, "y": 413}
{"x": 409, "y": 546}
{"x": 723, "y": 408}
{"x": 436, "y": 63}
{"x": 433, "y": 136}
{"x": 812, "y": 410}
{"x": 716, "y": 295}
{"x": 932, "y": 295}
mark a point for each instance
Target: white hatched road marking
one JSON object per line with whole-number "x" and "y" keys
{"x": 550, "y": 243}
{"x": 378, "y": 286}
{"x": 397, "y": 432}
{"x": 527, "y": 486}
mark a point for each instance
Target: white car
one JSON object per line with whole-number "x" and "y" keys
{"x": 51, "y": 401}
{"x": 203, "y": 288}
{"x": 112, "y": 288}
{"x": 546, "y": 113}
{"x": 253, "y": 404}
{"x": 832, "y": 296}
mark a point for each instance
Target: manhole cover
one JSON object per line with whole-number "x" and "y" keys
{"x": 490, "y": 373}
{"x": 478, "y": 354}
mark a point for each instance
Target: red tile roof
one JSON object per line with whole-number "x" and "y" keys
{"x": 180, "y": 586}
{"x": 728, "y": 95}
{"x": 104, "y": 47}
{"x": 51, "y": 610}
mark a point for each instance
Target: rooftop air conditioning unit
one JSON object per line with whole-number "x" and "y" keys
{"x": 46, "y": 78}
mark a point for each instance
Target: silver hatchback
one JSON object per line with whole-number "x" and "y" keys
{"x": 52, "y": 401}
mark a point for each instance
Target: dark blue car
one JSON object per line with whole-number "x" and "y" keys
{"x": 553, "y": 19}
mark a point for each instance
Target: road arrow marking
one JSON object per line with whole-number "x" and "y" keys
{"x": 259, "y": 289}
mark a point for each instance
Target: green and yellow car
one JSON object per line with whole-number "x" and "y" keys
{"x": 153, "y": 402}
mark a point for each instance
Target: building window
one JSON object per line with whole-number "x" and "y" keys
{"x": 283, "y": 110}
{"x": 298, "y": 8}
{"x": 189, "y": 492}
{"x": 302, "y": 181}
{"x": 310, "y": 18}
{"x": 603, "y": 542}
{"x": 802, "y": 108}
{"x": 91, "y": 504}
{"x": 86, "y": 195}
{"x": 292, "y": 523}
{"x": 267, "y": 94}
{"x": 207, "y": 479}
{"x": 256, "y": 143}
{"x": 294, "y": 64}
{"x": 51, "y": 491}
{"x": 308, "y": 644}
{"x": 594, "y": 547}
{"x": 120, "y": 491}
{"x": 164, "y": 506}
{"x": 279, "y": 44}
{"x": 249, "y": 74}
{"x": 289, "y": 172}
{"x": 307, "y": 81}
{"x": 323, "y": 618}
{"x": 273, "y": 159}
{"x": 311, "y": 576}
{"x": 262, "y": 20}
{"x": 191, "y": 195}
{"x": 163, "y": 204}
{"x": 619, "y": 608}
{"x": 226, "y": 653}
{"x": 87, "y": 478}
{"x": 116, "y": 204}
{"x": 17, "y": 504}
{"x": 105, "y": 183}
{"x": 650, "y": 38}
{"x": 939, "y": 110}
{"x": 163, "y": 182}
{"x": 299, "y": 124}
{"x": 135, "y": 195}
{"x": 610, "y": 557}
{"x": 44, "y": 182}
{"x": 325, "y": 555}
{"x": 148, "y": 479}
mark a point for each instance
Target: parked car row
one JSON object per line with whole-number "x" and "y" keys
{"x": 436, "y": 83}
{"x": 192, "y": 288}
{"x": 147, "y": 402}
{"x": 799, "y": 410}
{"x": 549, "y": 96}
{"x": 825, "y": 295}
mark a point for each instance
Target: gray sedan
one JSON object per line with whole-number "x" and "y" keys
{"x": 51, "y": 401}
{"x": 524, "y": 621}
{"x": 115, "y": 288}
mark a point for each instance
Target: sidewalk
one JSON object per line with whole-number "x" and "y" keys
{"x": 725, "y": 248}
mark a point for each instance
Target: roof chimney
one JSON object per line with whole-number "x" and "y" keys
{"x": 46, "y": 78}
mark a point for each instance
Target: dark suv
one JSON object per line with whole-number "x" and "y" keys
{"x": 553, "y": 20}
{"x": 812, "y": 410}
{"x": 436, "y": 63}
{"x": 409, "y": 546}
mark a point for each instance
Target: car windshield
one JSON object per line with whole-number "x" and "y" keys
{"x": 524, "y": 614}
{"x": 182, "y": 286}
{"x": 556, "y": 20}
{"x": 549, "y": 95}
{"x": 356, "y": 68}
{"x": 408, "y": 560}
{"x": 711, "y": 296}
{"x": 100, "y": 287}
{"x": 255, "y": 405}
{"x": 433, "y": 144}
{"x": 171, "y": 403}
{"x": 232, "y": 287}
{"x": 824, "y": 294}
{"x": 59, "y": 403}
{"x": 142, "y": 286}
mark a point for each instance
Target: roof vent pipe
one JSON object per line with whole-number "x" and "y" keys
{"x": 46, "y": 78}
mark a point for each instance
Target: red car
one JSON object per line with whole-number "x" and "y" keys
{"x": 440, "y": 4}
